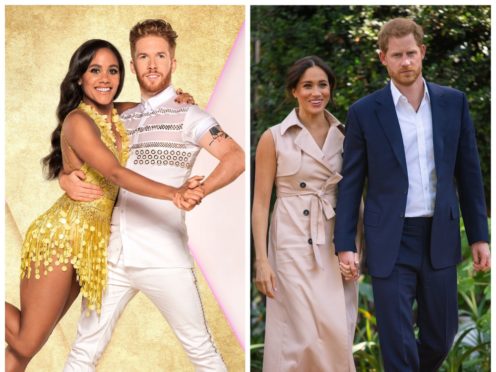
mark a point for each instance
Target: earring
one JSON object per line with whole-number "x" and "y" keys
{"x": 79, "y": 83}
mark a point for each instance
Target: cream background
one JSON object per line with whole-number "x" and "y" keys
{"x": 39, "y": 43}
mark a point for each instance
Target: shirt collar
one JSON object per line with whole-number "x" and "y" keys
{"x": 154, "y": 102}
{"x": 397, "y": 94}
{"x": 293, "y": 120}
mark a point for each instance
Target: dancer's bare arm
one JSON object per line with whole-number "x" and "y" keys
{"x": 230, "y": 155}
{"x": 83, "y": 136}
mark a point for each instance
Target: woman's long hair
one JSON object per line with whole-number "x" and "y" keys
{"x": 71, "y": 94}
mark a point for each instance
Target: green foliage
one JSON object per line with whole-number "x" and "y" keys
{"x": 366, "y": 349}
{"x": 458, "y": 55}
{"x": 257, "y": 326}
{"x": 472, "y": 348}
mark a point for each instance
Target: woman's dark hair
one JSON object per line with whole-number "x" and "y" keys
{"x": 298, "y": 68}
{"x": 71, "y": 94}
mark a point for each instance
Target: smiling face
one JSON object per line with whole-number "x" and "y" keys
{"x": 101, "y": 80}
{"x": 153, "y": 63}
{"x": 313, "y": 91}
{"x": 403, "y": 60}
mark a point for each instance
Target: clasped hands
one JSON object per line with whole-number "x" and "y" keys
{"x": 349, "y": 265}
{"x": 190, "y": 194}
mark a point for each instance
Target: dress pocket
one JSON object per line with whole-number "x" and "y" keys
{"x": 288, "y": 162}
{"x": 294, "y": 262}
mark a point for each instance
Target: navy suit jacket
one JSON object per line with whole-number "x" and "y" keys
{"x": 373, "y": 151}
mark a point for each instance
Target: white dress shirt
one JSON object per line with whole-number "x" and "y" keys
{"x": 416, "y": 131}
{"x": 164, "y": 146}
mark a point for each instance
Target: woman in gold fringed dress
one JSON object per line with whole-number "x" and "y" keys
{"x": 311, "y": 308}
{"x": 65, "y": 248}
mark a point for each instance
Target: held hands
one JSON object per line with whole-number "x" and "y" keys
{"x": 184, "y": 98}
{"x": 265, "y": 279}
{"x": 75, "y": 187}
{"x": 349, "y": 265}
{"x": 190, "y": 194}
{"x": 481, "y": 256}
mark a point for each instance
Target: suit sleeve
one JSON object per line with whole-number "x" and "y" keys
{"x": 469, "y": 181}
{"x": 351, "y": 186}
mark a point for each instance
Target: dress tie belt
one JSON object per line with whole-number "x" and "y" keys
{"x": 321, "y": 205}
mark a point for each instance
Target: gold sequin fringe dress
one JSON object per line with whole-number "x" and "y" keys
{"x": 77, "y": 233}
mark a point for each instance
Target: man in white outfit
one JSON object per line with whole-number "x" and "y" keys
{"x": 148, "y": 243}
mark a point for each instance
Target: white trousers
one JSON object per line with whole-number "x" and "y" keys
{"x": 172, "y": 290}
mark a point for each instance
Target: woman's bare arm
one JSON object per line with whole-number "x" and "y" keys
{"x": 84, "y": 137}
{"x": 123, "y": 106}
{"x": 265, "y": 172}
{"x": 182, "y": 97}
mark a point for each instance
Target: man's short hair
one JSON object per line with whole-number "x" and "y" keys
{"x": 156, "y": 27}
{"x": 399, "y": 27}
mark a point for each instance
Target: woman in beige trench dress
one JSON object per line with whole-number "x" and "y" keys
{"x": 311, "y": 308}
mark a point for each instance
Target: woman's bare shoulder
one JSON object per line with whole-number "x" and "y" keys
{"x": 77, "y": 121}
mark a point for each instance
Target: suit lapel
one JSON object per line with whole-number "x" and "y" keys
{"x": 439, "y": 117}
{"x": 388, "y": 119}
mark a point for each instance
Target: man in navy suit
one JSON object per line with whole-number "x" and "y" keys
{"x": 414, "y": 143}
